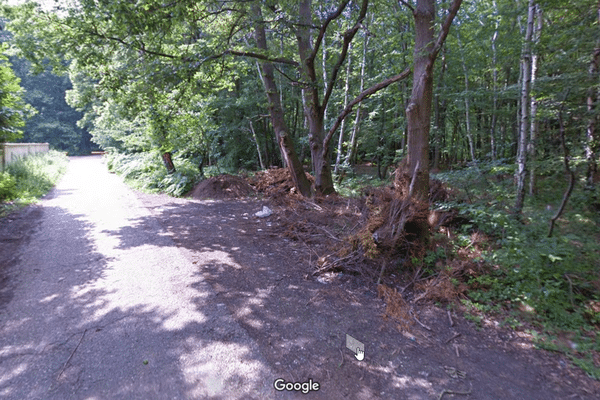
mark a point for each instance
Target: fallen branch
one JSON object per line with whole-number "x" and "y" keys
{"x": 71, "y": 356}
{"x": 381, "y": 273}
{"x": 331, "y": 235}
{"x": 452, "y": 338}
{"x": 448, "y": 391}
{"x": 419, "y": 322}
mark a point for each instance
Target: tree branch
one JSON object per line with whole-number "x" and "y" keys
{"x": 412, "y": 9}
{"x": 366, "y": 93}
{"x": 132, "y": 45}
{"x": 445, "y": 28}
{"x": 567, "y": 169}
{"x": 294, "y": 82}
{"x": 281, "y": 60}
{"x": 323, "y": 29}
{"x": 348, "y": 36}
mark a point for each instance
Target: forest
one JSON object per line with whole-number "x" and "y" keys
{"x": 495, "y": 101}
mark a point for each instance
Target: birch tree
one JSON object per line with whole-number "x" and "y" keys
{"x": 524, "y": 117}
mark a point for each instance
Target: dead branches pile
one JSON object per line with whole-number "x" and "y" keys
{"x": 395, "y": 306}
{"x": 222, "y": 187}
{"x": 276, "y": 183}
{"x": 389, "y": 230}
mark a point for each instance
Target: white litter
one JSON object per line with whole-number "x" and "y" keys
{"x": 266, "y": 211}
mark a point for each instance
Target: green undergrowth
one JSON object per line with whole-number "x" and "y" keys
{"x": 353, "y": 186}
{"x": 146, "y": 172}
{"x": 551, "y": 284}
{"x": 26, "y": 180}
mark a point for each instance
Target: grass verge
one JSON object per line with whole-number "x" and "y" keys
{"x": 145, "y": 172}
{"x": 25, "y": 181}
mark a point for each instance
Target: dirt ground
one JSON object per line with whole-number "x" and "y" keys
{"x": 301, "y": 320}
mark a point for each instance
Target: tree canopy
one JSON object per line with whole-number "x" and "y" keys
{"x": 205, "y": 78}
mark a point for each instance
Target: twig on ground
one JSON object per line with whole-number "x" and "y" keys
{"x": 448, "y": 391}
{"x": 381, "y": 273}
{"x": 342, "y": 354}
{"x": 313, "y": 298}
{"x": 419, "y": 297}
{"x": 316, "y": 207}
{"x": 72, "y": 354}
{"x": 331, "y": 235}
{"x": 452, "y": 338}
{"x": 291, "y": 374}
{"x": 450, "y": 318}
{"x": 416, "y": 276}
{"x": 419, "y": 322}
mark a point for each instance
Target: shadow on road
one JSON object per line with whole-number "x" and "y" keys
{"x": 80, "y": 324}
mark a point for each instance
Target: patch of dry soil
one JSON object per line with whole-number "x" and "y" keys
{"x": 301, "y": 323}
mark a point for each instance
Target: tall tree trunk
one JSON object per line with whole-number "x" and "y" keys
{"x": 168, "y": 162}
{"x": 418, "y": 112}
{"x": 324, "y": 68}
{"x": 524, "y": 116}
{"x": 313, "y": 109}
{"x": 260, "y": 157}
{"x": 591, "y": 146}
{"x": 356, "y": 127}
{"x": 440, "y": 115}
{"x": 494, "y": 89}
{"x": 534, "y": 123}
{"x": 338, "y": 158}
{"x": 412, "y": 178}
{"x": 288, "y": 153}
{"x": 467, "y": 105}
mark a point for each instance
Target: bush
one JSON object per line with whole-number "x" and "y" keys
{"x": 32, "y": 177}
{"x": 7, "y": 186}
{"x": 146, "y": 171}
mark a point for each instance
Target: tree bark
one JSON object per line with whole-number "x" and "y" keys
{"x": 338, "y": 158}
{"x": 355, "y": 128}
{"x": 567, "y": 170}
{"x": 591, "y": 146}
{"x": 494, "y": 91}
{"x": 286, "y": 146}
{"x": 524, "y": 117}
{"x": 314, "y": 107}
{"x": 439, "y": 115}
{"x": 313, "y": 110}
{"x": 418, "y": 112}
{"x": 534, "y": 123}
{"x": 467, "y": 104}
{"x": 168, "y": 162}
{"x": 260, "y": 158}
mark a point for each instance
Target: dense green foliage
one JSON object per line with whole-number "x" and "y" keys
{"x": 550, "y": 282}
{"x": 13, "y": 110}
{"x": 37, "y": 111}
{"x": 55, "y": 121}
{"x": 146, "y": 172}
{"x": 30, "y": 178}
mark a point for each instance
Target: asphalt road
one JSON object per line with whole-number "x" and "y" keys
{"x": 94, "y": 316}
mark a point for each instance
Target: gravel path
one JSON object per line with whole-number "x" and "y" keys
{"x": 89, "y": 315}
